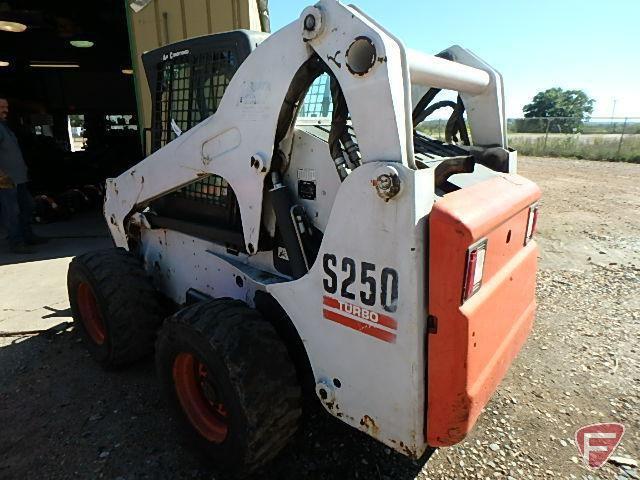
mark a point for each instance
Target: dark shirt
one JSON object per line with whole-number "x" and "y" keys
{"x": 11, "y": 161}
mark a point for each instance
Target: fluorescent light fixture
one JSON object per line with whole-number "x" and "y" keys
{"x": 3, "y": 63}
{"x": 127, "y": 71}
{"x": 82, "y": 43}
{"x": 138, "y": 5}
{"x": 53, "y": 65}
{"x": 16, "y": 27}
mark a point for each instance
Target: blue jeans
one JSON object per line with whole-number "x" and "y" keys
{"x": 16, "y": 208}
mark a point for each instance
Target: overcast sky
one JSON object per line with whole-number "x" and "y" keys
{"x": 535, "y": 44}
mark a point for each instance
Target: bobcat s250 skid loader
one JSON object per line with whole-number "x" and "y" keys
{"x": 321, "y": 246}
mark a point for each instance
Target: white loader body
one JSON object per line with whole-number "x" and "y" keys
{"x": 361, "y": 309}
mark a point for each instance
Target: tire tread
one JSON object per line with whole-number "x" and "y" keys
{"x": 268, "y": 391}
{"x": 127, "y": 298}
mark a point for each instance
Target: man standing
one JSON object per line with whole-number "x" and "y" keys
{"x": 16, "y": 204}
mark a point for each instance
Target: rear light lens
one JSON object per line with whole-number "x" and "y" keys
{"x": 474, "y": 269}
{"x": 532, "y": 222}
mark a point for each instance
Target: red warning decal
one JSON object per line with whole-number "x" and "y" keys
{"x": 360, "y": 319}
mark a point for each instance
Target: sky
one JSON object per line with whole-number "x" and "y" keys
{"x": 535, "y": 44}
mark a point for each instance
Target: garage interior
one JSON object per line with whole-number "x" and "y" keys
{"x": 66, "y": 70}
{"x": 78, "y": 95}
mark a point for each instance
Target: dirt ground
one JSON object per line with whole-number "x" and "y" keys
{"x": 63, "y": 417}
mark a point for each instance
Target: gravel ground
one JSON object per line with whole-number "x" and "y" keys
{"x": 62, "y": 417}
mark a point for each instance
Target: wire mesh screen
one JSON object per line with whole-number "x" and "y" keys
{"x": 317, "y": 103}
{"x": 189, "y": 90}
{"x": 213, "y": 190}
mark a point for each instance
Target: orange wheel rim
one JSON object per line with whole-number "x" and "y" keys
{"x": 90, "y": 313}
{"x": 199, "y": 399}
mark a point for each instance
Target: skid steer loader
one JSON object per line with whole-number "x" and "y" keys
{"x": 304, "y": 238}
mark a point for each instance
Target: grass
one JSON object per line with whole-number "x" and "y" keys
{"x": 589, "y": 147}
{"x": 433, "y": 128}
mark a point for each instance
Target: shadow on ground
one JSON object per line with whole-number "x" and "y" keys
{"x": 62, "y": 416}
{"x": 69, "y": 238}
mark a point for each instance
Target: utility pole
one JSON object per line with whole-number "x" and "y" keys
{"x": 613, "y": 113}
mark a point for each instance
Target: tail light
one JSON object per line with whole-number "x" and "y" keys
{"x": 532, "y": 222}
{"x": 474, "y": 269}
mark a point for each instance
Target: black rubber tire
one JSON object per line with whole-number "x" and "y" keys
{"x": 126, "y": 299}
{"x": 253, "y": 374}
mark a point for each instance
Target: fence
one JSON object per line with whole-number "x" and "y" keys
{"x": 594, "y": 139}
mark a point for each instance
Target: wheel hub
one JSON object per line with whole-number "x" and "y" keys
{"x": 199, "y": 399}
{"x": 90, "y": 313}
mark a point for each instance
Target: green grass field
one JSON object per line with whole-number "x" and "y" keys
{"x": 590, "y": 146}
{"x": 587, "y": 146}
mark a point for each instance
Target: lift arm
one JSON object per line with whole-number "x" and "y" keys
{"x": 237, "y": 142}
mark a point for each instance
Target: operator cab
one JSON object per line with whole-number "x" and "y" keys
{"x": 187, "y": 81}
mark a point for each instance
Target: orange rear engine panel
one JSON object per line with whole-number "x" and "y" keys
{"x": 473, "y": 343}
